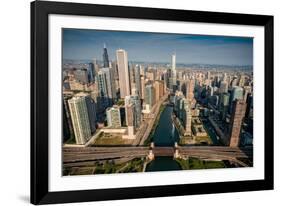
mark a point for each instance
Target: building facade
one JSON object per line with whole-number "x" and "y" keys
{"x": 159, "y": 89}
{"x": 236, "y": 93}
{"x": 173, "y": 70}
{"x": 105, "y": 57}
{"x": 113, "y": 117}
{"x": 80, "y": 119}
{"x": 190, "y": 84}
{"x": 123, "y": 71}
{"x": 130, "y": 120}
{"x": 136, "y": 102}
{"x": 138, "y": 80}
{"x": 91, "y": 109}
{"x": 149, "y": 96}
{"x": 238, "y": 114}
{"x": 187, "y": 117}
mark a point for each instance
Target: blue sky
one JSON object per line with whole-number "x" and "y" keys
{"x": 157, "y": 47}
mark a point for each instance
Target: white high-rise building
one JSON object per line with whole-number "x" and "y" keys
{"x": 174, "y": 73}
{"x": 173, "y": 62}
{"x": 80, "y": 119}
{"x": 123, "y": 71}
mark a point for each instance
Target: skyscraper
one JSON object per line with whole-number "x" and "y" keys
{"x": 95, "y": 66}
{"x": 190, "y": 84}
{"x": 91, "y": 72}
{"x": 171, "y": 83}
{"x": 135, "y": 100}
{"x": 67, "y": 123}
{"x": 130, "y": 110}
{"x": 174, "y": 73}
{"x": 80, "y": 119}
{"x": 132, "y": 76}
{"x": 103, "y": 88}
{"x": 123, "y": 71}
{"x": 110, "y": 83}
{"x": 236, "y": 93}
{"x": 138, "y": 80}
{"x": 149, "y": 95}
{"x": 115, "y": 73}
{"x": 130, "y": 117}
{"x": 237, "y": 116}
{"x": 113, "y": 117}
{"x": 224, "y": 103}
{"x": 91, "y": 109}
{"x": 142, "y": 87}
{"x": 249, "y": 110}
{"x": 106, "y": 85}
{"x": 105, "y": 57}
{"x": 159, "y": 89}
{"x": 187, "y": 117}
{"x": 180, "y": 103}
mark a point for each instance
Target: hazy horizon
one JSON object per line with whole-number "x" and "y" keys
{"x": 82, "y": 45}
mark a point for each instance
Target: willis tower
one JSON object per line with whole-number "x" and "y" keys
{"x": 105, "y": 57}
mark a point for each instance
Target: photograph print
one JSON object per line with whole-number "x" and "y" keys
{"x": 144, "y": 102}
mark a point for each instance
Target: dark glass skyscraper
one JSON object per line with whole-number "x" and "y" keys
{"x": 105, "y": 57}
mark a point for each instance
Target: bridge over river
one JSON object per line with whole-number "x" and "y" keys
{"x": 82, "y": 155}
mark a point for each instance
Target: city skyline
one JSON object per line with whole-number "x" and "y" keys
{"x": 124, "y": 116}
{"x": 81, "y": 44}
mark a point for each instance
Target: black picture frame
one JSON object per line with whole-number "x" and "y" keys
{"x": 40, "y": 96}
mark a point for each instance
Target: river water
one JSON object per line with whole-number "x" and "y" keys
{"x": 165, "y": 135}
